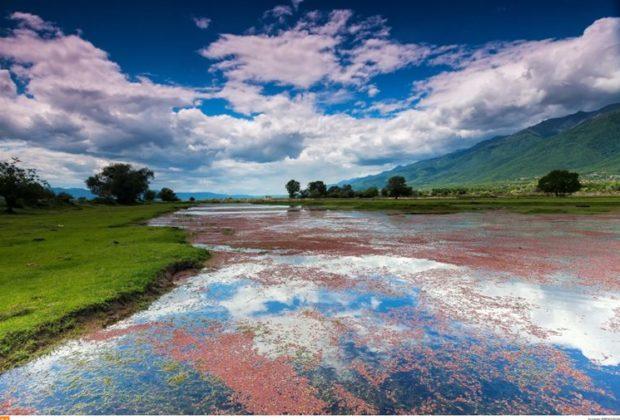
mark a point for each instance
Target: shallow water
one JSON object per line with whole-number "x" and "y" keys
{"x": 349, "y": 312}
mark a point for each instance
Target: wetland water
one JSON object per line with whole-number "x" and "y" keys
{"x": 317, "y": 311}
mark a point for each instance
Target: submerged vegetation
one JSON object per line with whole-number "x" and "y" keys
{"x": 61, "y": 267}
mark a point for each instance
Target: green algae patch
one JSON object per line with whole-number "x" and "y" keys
{"x": 65, "y": 268}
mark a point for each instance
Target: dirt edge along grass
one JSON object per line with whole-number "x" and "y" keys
{"x": 21, "y": 345}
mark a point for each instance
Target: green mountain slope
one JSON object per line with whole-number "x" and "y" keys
{"x": 583, "y": 142}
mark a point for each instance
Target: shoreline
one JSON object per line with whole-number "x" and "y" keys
{"x": 447, "y": 205}
{"x": 20, "y": 347}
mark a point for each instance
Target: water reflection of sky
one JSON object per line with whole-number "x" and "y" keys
{"x": 383, "y": 332}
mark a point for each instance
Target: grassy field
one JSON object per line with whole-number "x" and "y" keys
{"x": 568, "y": 205}
{"x": 59, "y": 268}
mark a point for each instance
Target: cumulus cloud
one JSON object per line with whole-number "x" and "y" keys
{"x": 515, "y": 84}
{"x": 279, "y": 12}
{"x": 64, "y": 100}
{"x": 318, "y": 48}
{"x": 30, "y": 21}
{"x": 202, "y": 22}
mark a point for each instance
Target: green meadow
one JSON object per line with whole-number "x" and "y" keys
{"x": 59, "y": 268}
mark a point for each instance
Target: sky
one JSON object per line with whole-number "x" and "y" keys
{"x": 241, "y": 96}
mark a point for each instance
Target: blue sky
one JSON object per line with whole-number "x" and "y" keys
{"x": 240, "y": 96}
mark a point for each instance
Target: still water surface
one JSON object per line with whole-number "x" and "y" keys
{"x": 305, "y": 311}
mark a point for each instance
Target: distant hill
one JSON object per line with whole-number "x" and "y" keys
{"x": 83, "y": 192}
{"x": 210, "y": 195}
{"x": 74, "y": 192}
{"x": 586, "y": 142}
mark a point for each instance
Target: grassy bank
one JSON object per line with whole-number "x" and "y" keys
{"x": 60, "y": 269}
{"x": 539, "y": 204}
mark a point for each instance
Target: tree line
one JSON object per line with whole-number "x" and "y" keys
{"x": 121, "y": 183}
{"x": 395, "y": 187}
{"x": 116, "y": 183}
{"x": 558, "y": 182}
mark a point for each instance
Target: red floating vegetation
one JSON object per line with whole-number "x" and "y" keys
{"x": 8, "y": 407}
{"x": 107, "y": 334}
{"x": 261, "y": 385}
{"x": 353, "y": 404}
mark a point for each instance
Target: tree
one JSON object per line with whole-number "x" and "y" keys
{"x": 293, "y": 187}
{"x": 21, "y": 184}
{"x": 317, "y": 189}
{"x": 64, "y": 198}
{"x": 397, "y": 187}
{"x": 121, "y": 182}
{"x": 192, "y": 199}
{"x": 560, "y": 182}
{"x": 149, "y": 195}
{"x": 347, "y": 191}
{"x": 369, "y": 192}
{"x": 166, "y": 194}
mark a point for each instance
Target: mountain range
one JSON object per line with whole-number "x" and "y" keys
{"x": 585, "y": 142}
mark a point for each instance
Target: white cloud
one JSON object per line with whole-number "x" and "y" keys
{"x": 313, "y": 51}
{"x": 279, "y": 12}
{"x": 523, "y": 83}
{"x": 66, "y": 99}
{"x": 30, "y": 21}
{"x": 202, "y": 22}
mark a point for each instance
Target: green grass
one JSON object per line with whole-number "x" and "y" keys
{"x": 56, "y": 266}
{"x": 567, "y": 205}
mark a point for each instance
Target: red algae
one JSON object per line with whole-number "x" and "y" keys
{"x": 107, "y": 334}
{"x": 353, "y": 404}
{"x": 261, "y": 385}
{"x": 478, "y": 324}
{"x": 8, "y": 407}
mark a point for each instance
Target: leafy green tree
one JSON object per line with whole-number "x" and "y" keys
{"x": 560, "y": 182}
{"x": 19, "y": 184}
{"x": 149, "y": 195}
{"x": 369, "y": 192}
{"x": 120, "y": 182}
{"x": 347, "y": 191}
{"x": 166, "y": 194}
{"x": 317, "y": 189}
{"x": 397, "y": 187}
{"x": 293, "y": 187}
{"x": 334, "y": 191}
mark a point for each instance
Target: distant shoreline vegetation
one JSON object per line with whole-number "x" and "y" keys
{"x": 556, "y": 182}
